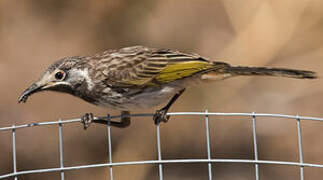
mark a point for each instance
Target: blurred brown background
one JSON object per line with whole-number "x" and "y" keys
{"x": 284, "y": 33}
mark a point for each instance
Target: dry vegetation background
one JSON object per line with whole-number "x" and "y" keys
{"x": 285, "y": 33}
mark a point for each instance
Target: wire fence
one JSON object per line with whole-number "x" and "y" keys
{"x": 160, "y": 161}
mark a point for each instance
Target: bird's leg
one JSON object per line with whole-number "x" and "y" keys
{"x": 125, "y": 120}
{"x": 88, "y": 118}
{"x": 161, "y": 115}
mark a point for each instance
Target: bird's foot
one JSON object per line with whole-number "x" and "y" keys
{"x": 125, "y": 120}
{"x": 161, "y": 116}
{"x": 87, "y": 119}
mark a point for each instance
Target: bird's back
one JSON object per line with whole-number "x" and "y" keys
{"x": 142, "y": 66}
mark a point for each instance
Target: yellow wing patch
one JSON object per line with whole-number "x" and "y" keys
{"x": 179, "y": 70}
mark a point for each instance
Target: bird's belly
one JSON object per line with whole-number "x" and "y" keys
{"x": 147, "y": 99}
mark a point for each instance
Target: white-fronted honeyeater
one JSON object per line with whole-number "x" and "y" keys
{"x": 140, "y": 77}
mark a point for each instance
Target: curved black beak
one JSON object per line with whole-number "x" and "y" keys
{"x": 29, "y": 91}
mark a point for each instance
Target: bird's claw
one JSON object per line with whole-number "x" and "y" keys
{"x": 160, "y": 116}
{"x": 87, "y": 119}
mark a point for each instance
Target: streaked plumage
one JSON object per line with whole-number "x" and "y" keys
{"x": 141, "y": 77}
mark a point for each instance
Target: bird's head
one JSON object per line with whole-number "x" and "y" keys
{"x": 63, "y": 76}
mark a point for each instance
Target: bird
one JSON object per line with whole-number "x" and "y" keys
{"x": 140, "y": 77}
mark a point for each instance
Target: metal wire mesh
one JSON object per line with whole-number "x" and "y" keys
{"x": 160, "y": 161}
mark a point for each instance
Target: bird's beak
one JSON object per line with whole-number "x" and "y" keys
{"x": 35, "y": 87}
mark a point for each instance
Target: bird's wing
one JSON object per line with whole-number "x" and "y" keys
{"x": 141, "y": 66}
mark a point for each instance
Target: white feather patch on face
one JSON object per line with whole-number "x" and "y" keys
{"x": 84, "y": 73}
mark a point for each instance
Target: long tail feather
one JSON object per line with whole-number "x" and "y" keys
{"x": 263, "y": 71}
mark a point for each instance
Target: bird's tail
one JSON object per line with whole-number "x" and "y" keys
{"x": 223, "y": 70}
{"x": 263, "y": 71}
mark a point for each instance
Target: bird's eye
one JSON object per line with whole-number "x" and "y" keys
{"x": 60, "y": 75}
